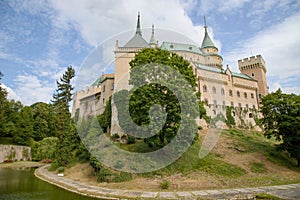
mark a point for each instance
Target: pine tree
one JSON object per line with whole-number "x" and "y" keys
{"x": 64, "y": 126}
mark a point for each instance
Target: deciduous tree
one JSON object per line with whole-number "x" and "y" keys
{"x": 282, "y": 120}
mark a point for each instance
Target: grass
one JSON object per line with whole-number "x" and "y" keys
{"x": 267, "y": 197}
{"x": 190, "y": 162}
{"x": 257, "y": 167}
{"x": 252, "y": 141}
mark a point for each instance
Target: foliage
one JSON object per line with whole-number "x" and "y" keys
{"x": 229, "y": 118}
{"x": 24, "y": 126}
{"x": 44, "y": 149}
{"x": 105, "y": 118}
{"x": 143, "y": 98}
{"x": 104, "y": 175}
{"x": 165, "y": 184}
{"x": 282, "y": 120}
{"x": 60, "y": 169}
{"x": 43, "y": 120}
{"x": 65, "y": 130}
{"x": 266, "y": 197}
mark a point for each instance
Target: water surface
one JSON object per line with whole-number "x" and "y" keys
{"x": 23, "y": 185}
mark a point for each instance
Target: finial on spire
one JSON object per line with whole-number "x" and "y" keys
{"x": 205, "y": 27}
{"x": 153, "y": 29}
{"x": 138, "y": 25}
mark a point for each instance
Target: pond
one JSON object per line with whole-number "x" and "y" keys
{"x": 23, "y": 185}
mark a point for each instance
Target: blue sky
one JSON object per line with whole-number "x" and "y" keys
{"x": 39, "y": 39}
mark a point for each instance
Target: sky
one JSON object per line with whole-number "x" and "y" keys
{"x": 40, "y": 39}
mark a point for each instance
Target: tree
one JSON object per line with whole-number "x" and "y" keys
{"x": 3, "y": 107}
{"x": 281, "y": 119}
{"x": 143, "y": 98}
{"x": 42, "y": 120}
{"x": 64, "y": 125}
{"x": 24, "y": 126}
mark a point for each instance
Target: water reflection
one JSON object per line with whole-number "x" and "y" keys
{"x": 23, "y": 185}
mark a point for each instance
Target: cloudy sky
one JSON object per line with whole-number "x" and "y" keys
{"x": 39, "y": 39}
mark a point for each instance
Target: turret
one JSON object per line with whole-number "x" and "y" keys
{"x": 212, "y": 58}
{"x": 153, "y": 41}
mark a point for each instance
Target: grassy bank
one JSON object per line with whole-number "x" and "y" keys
{"x": 239, "y": 159}
{"x": 21, "y": 164}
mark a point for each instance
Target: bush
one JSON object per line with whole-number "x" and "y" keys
{"x": 130, "y": 139}
{"x": 165, "y": 184}
{"x": 44, "y": 149}
{"x": 104, "y": 175}
{"x": 60, "y": 169}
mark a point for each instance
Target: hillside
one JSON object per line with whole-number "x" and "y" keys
{"x": 239, "y": 159}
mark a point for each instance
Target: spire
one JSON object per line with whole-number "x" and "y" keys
{"x": 207, "y": 42}
{"x": 137, "y": 40}
{"x": 138, "y": 26}
{"x": 205, "y": 27}
{"x": 152, "y": 39}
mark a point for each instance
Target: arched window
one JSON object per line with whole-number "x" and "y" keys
{"x": 214, "y": 90}
{"x": 230, "y": 93}
{"x": 238, "y": 93}
{"x": 250, "y": 115}
{"x": 222, "y": 91}
{"x": 204, "y": 88}
{"x": 245, "y": 95}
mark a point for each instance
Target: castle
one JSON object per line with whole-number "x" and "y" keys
{"x": 219, "y": 86}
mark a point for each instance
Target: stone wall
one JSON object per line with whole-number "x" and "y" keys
{"x": 14, "y": 152}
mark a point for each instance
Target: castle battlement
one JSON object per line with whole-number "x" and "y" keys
{"x": 251, "y": 60}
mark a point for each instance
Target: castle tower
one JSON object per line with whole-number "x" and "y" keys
{"x": 212, "y": 58}
{"x": 255, "y": 67}
{"x": 123, "y": 55}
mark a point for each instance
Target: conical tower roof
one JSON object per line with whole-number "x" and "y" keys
{"x": 207, "y": 42}
{"x": 137, "y": 40}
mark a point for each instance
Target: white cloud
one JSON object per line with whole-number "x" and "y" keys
{"x": 97, "y": 20}
{"x": 10, "y": 93}
{"x": 279, "y": 45}
{"x": 31, "y": 89}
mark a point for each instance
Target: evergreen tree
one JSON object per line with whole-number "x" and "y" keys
{"x": 64, "y": 126}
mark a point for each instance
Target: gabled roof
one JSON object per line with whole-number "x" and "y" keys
{"x": 220, "y": 71}
{"x": 241, "y": 76}
{"x": 137, "y": 40}
{"x": 171, "y": 46}
{"x": 208, "y": 68}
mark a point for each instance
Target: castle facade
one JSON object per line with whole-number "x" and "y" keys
{"x": 219, "y": 86}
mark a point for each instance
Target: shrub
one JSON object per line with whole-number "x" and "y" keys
{"x": 165, "y": 184}
{"x": 60, "y": 169}
{"x": 104, "y": 175}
